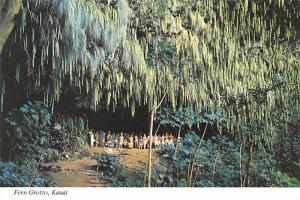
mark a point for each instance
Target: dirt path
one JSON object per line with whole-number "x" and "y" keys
{"x": 82, "y": 172}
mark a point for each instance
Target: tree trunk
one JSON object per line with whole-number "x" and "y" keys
{"x": 214, "y": 169}
{"x": 152, "y": 113}
{"x": 250, "y": 146}
{"x": 150, "y": 148}
{"x": 241, "y": 164}
{"x": 250, "y": 158}
{"x": 157, "y": 128}
{"x": 177, "y": 143}
{"x": 198, "y": 148}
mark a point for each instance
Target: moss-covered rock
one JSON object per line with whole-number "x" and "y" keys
{"x": 8, "y": 9}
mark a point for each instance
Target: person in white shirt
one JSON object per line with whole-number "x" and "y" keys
{"x": 155, "y": 140}
{"x": 163, "y": 140}
{"x": 92, "y": 138}
{"x": 136, "y": 142}
{"x": 121, "y": 141}
{"x": 148, "y": 142}
{"x": 171, "y": 139}
{"x": 167, "y": 141}
{"x": 145, "y": 141}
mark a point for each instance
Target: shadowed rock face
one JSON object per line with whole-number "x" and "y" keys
{"x": 8, "y": 9}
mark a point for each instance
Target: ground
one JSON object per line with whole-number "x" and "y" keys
{"x": 82, "y": 172}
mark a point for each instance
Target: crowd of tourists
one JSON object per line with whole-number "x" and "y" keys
{"x": 132, "y": 140}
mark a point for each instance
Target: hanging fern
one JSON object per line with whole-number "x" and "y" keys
{"x": 198, "y": 52}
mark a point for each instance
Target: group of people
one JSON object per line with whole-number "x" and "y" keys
{"x": 125, "y": 140}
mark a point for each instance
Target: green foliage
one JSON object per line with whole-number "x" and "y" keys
{"x": 10, "y": 176}
{"x": 113, "y": 172}
{"x": 241, "y": 56}
{"x": 216, "y": 163}
{"x": 30, "y": 134}
{"x": 65, "y": 144}
{"x": 77, "y": 126}
{"x": 287, "y": 139}
{"x": 185, "y": 116}
{"x": 178, "y": 118}
{"x": 283, "y": 180}
{"x": 28, "y": 130}
{"x": 197, "y": 52}
{"x": 111, "y": 169}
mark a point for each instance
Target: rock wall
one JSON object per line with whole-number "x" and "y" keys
{"x": 8, "y": 10}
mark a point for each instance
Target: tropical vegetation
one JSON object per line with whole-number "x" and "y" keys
{"x": 230, "y": 68}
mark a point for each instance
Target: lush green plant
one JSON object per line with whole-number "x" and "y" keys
{"x": 186, "y": 116}
{"x": 69, "y": 135}
{"x": 112, "y": 171}
{"x": 30, "y": 133}
{"x": 28, "y": 130}
{"x": 183, "y": 53}
{"x": 11, "y": 176}
{"x": 281, "y": 179}
{"x": 76, "y": 125}
{"x": 216, "y": 163}
{"x": 287, "y": 148}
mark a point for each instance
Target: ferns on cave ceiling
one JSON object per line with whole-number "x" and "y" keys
{"x": 200, "y": 52}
